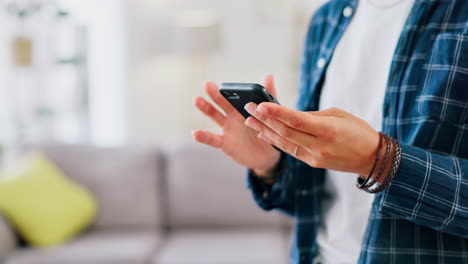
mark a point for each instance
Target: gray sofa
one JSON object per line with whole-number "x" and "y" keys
{"x": 187, "y": 204}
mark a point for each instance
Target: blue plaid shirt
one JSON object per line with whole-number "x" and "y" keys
{"x": 422, "y": 217}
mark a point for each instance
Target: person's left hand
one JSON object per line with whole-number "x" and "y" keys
{"x": 330, "y": 139}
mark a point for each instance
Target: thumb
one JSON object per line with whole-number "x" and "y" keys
{"x": 269, "y": 83}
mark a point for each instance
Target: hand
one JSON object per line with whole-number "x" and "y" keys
{"x": 331, "y": 139}
{"x": 237, "y": 140}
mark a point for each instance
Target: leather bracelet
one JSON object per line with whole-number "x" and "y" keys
{"x": 388, "y": 150}
{"x": 395, "y": 165}
{"x": 360, "y": 182}
{"x": 382, "y": 167}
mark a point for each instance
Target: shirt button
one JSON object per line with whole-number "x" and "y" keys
{"x": 348, "y": 11}
{"x": 264, "y": 195}
{"x": 321, "y": 63}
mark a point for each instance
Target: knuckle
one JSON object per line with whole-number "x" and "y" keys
{"x": 210, "y": 141}
{"x": 229, "y": 152}
{"x": 336, "y": 110}
{"x": 296, "y": 122}
{"x": 280, "y": 143}
{"x": 260, "y": 117}
{"x": 273, "y": 110}
{"x": 210, "y": 110}
{"x": 314, "y": 162}
{"x": 285, "y": 132}
{"x": 310, "y": 145}
{"x": 331, "y": 133}
{"x": 324, "y": 154}
{"x": 261, "y": 127}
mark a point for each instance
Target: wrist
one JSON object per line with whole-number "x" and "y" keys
{"x": 387, "y": 167}
{"x": 268, "y": 170}
{"x": 369, "y": 160}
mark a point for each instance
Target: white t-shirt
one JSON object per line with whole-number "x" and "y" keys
{"x": 356, "y": 80}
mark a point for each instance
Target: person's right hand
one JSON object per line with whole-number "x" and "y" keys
{"x": 238, "y": 141}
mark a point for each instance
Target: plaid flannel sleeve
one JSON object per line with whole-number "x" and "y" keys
{"x": 277, "y": 195}
{"x": 430, "y": 190}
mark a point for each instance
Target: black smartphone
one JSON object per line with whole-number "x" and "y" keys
{"x": 239, "y": 94}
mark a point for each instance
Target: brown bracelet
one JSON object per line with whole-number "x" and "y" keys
{"x": 360, "y": 182}
{"x": 382, "y": 167}
{"x": 393, "y": 170}
{"x": 388, "y": 150}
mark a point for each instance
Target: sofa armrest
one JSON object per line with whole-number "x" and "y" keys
{"x": 7, "y": 238}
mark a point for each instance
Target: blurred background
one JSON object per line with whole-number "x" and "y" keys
{"x": 85, "y": 79}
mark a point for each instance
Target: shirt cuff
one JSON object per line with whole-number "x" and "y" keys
{"x": 268, "y": 195}
{"x": 422, "y": 190}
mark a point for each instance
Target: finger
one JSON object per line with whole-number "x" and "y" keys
{"x": 269, "y": 83}
{"x": 276, "y": 140}
{"x": 209, "y": 110}
{"x": 291, "y": 134}
{"x": 310, "y": 124}
{"x": 335, "y": 112}
{"x": 264, "y": 138}
{"x": 213, "y": 91}
{"x": 208, "y": 138}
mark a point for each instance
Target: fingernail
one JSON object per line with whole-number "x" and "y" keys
{"x": 250, "y": 108}
{"x": 262, "y": 110}
{"x": 251, "y": 123}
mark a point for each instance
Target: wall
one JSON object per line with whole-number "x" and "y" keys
{"x": 140, "y": 93}
{"x": 5, "y": 32}
{"x": 257, "y": 37}
{"x": 106, "y": 21}
{"x": 22, "y": 90}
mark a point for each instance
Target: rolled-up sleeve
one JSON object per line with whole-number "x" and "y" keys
{"x": 430, "y": 190}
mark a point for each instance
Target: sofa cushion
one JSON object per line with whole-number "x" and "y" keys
{"x": 208, "y": 189}
{"x": 43, "y": 204}
{"x": 125, "y": 181}
{"x": 7, "y": 238}
{"x": 242, "y": 246}
{"x": 133, "y": 247}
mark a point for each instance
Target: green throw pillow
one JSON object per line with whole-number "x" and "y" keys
{"x": 44, "y": 205}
